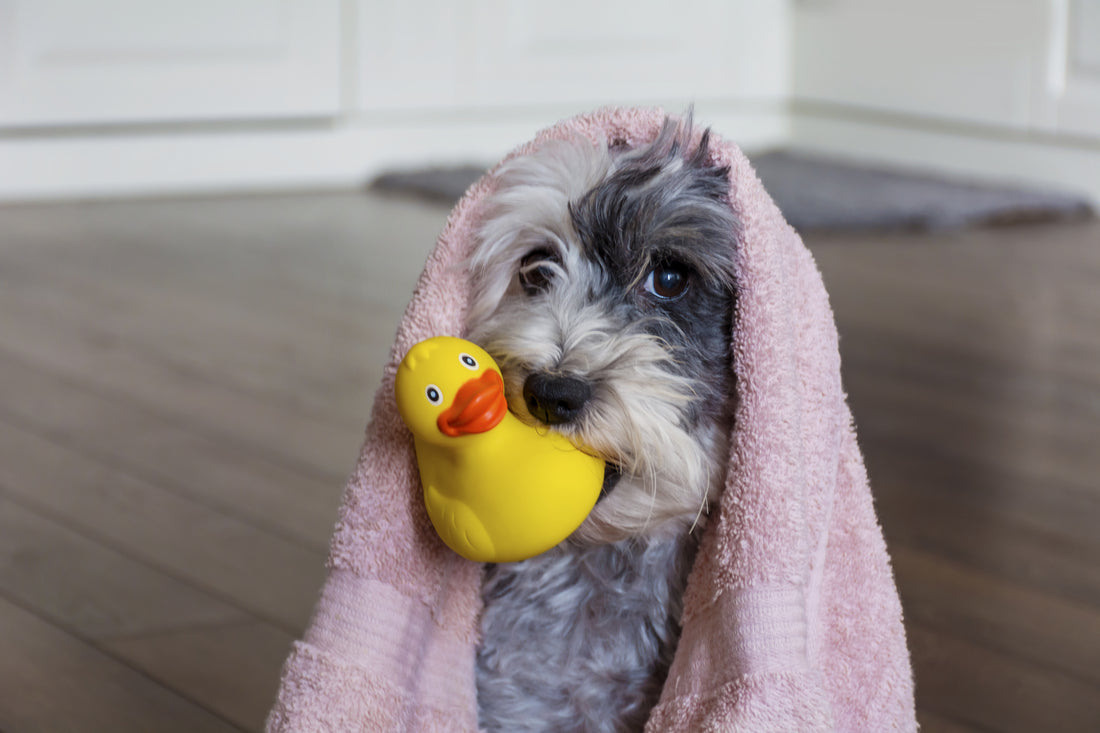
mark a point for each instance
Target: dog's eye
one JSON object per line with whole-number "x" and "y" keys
{"x": 536, "y": 270}
{"x": 668, "y": 282}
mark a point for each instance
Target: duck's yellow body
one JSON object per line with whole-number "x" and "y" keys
{"x": 496, "y": 489}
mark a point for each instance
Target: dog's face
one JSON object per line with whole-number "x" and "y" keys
{"x": 603, "y": 287}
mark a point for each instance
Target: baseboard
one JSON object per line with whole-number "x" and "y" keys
{"x": 155, "y": 161}
{"x": 1066, "y": 163}
{"x": 120, "y": 162}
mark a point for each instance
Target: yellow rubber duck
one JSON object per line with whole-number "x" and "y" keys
{"x": 496, "y": 489}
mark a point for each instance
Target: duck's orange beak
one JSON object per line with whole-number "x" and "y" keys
{"x": 478, "y": 406}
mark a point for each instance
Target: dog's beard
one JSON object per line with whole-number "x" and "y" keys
{"x": 560, "y": 289}
{"x": 638, "y": 418}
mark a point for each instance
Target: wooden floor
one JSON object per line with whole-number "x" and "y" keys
{"x": 183, "y": 387}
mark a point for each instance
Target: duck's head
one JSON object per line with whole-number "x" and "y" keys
{"x": 447, "y": 387}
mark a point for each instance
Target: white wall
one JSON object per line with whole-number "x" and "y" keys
{"x": 975, "y": 87}
{"x": 131, "y": 97}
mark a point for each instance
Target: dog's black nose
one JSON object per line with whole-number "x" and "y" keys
{"x": 555, "y": 400}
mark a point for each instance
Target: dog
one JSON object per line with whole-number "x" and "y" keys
{"x": 604, "y": 288}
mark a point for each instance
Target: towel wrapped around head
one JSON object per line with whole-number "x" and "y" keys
{"x": 791, "y": 618}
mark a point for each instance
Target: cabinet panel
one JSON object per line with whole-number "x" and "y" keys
{"x": 489, "y": 53}
{"x": 976, "y": 60}
{"x": 72, "y": 63}
{"x": 1085, "y": 37}
{"x": 1077, "y": 98}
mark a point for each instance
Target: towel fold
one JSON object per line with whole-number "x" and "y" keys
{"x": 791, "y": 617}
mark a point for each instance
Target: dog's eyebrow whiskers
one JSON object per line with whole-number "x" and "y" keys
{"x": 642, "y": 269}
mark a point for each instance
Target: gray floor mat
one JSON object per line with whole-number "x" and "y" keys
{"x": 818, "y": 194}
{"x": 821, "y": 194}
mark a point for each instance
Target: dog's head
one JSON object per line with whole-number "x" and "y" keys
{"x": 603, "y": 287}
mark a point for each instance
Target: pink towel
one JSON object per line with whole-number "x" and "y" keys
{"x": 791, "y": 620}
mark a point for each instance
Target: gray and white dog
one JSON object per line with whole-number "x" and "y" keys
{"x": 603, "y": 287}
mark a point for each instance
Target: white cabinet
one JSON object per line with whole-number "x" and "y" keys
{"x": 1026, "y": 65}
{"x": 438, "y": 54}
{"x": 1004, "y": 89}
{"x": 976, "y": 61}
{"x": 329, "y": 92}
{"x": 133, "y": 61}
{"x": 1075, "y": 84}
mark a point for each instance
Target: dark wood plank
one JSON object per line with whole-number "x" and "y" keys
{"x": 207, "y": 343}
{"x": 965, "y": 681}
{"x": 1051, "y": 429}
{"x": 92, "y": 358}
{"x": 219, "y": 288}
{"x": 1016, "y": 621}
{"x": 90, "y": 589}
{"x": 264, "y": 574}
{"x": 985, "y": 532}
{"x": 232, "y": 670}
{"x": 270, "y": 338}
{"x": 51, "y": 681}
{"x": 970, "y": 358}
{"x": 225, "y": 474}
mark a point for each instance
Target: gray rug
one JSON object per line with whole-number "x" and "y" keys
{"x": 441, "y": 185}
{"x": 822, "y": 194}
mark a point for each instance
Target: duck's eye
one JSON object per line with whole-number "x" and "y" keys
{"x": 468, "y": 361}
{"x": 536, "y": 270}
{"x": 433, "y": 394}
{"x": 668, "y": 281}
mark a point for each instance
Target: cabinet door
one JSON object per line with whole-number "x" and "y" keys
{"x": 67, "y": 62}
{"x": 1075, "y": 87}
{"x": 509, "y": 53}
{"x": 979, "y": 61}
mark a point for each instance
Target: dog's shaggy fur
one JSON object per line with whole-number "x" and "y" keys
{"x": 603, "y": 287}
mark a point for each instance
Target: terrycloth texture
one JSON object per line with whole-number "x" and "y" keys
{"x": 791, "y": 621}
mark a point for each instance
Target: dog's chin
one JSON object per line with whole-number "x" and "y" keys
{"x": 606, "y": 523}
{"x": 661, "y": 493}
{"x": 653, "y": 506}
{"x": 664, "y": 457}
{"x": 669, "y": 491}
